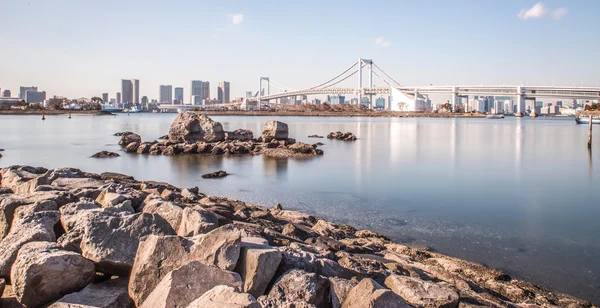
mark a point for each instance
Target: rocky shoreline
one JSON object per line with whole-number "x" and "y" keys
{"x": 75, "y": 239}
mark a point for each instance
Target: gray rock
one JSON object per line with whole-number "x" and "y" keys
{"x": 257, "y": 265}
{"x": 240, "y": 135}
{"x": 158, "y": 255}
{"x": 39, "y": 206}
{"x": 130, "y": 137}
{"x": 193, "y": 127}
{"x": 224, "y": 297}
{"x": 339, "y": 289}
{"x": 196, "y": 221}
{"x": 422, "y": 293}
{"x": 37, "y": 227}
{"x": 43, "y": 272}
{"x": 369, "y": 294}
{"x": 182, "y": 286}
{"x": 170, "y": 211}
{"x": 111, "y": 242}
{"x": 2, "y": 285}
{"x": 108, "y": 294}
{"x": 274, "y": 130}
{"x": 300, "y": 286}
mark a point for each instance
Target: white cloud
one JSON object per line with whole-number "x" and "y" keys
{"x": 236, "y": 19}
{"x": 536, "y": 11}
{"x": 559, "y": 13}
{"x": 382, "y": 42}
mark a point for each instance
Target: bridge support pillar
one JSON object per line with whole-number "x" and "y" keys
{"x": 521, "y": 100}
{"x": 454, "y": 98}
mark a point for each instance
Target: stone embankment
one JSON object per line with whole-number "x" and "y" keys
{"x": 75, "y": 239}
{"x": 195, "y": 133}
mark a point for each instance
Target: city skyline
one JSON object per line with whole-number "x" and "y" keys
{"x": 465, "y": 42}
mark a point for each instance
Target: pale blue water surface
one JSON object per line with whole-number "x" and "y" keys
{"x": 521, "y": 195}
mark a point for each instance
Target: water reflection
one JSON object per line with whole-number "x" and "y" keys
{"x": 275, "y": 167}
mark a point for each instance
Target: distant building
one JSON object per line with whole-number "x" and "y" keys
{"x": 105, "y": 97}
{"x": 130, "y": 91}
{"x": 336, "y": 99}
{"x": 34, "y": 97}
{"x": 6, "y": 93}
{"x": 316, "y": 101}
{"x": 144, "y": 100}
{"x": 112, "y": 101}
{"x": 400, "y": 101}
{"x": 205, "y": 90}
{"x": 196, "y": 94}
{"x": 364, "y": 101}
{"x": 166, "y": 94}
{"x": 249, "y": 94}
{"x": 23, "y": 90}
{"x": 354, "y": 101}
{"x": 119, "y": 99}
{"x": 223, "y": 92}
{"x": 178, "y": 96}
{"x": 380, "y": 103}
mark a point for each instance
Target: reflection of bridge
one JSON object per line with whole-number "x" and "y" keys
{"x": 522, "y": 93}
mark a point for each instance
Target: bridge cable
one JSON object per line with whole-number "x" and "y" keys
{"x": 334, "y": 78}
{"x": 387, "y": 75}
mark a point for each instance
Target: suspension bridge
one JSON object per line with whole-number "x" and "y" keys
{"x": 409, "y": 94}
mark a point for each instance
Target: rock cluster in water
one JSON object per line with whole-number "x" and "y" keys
{"x": 69, "y": 238}
{"x": 195, "y": 133}
{"x": 105, "y": 154}
{"x": 214, "y": 175}
{"x": 342, "y": 136}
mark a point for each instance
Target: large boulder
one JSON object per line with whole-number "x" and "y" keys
{"x": 257, "y": 266}
{"x": 130, "y": 137}
{"x": 224, "y": 297}
{"x": 158, "y": 255}
{"x": 422, "y": 293}
{"x": 108, "y": 294}
{"x": 339, "y": 289}
{"x": 370, "y": 294}
{"x": 37, "y": 227}
{"x": 274, "y": 130}
{"x": 193, "y": 127}
{"x": 112, "y": 241}
{"x": 172, "y": 212}
{"x": 195, "y": 222}
{"x": 182, "y": 286}
{"x": 299, "y": 286}
{"x": 44, "y": 272}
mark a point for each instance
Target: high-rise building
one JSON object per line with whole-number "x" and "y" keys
{"x": 223, "y": 92}
{"x": 166, "y": 94}
{"x": 200, "y": 90}
{"x": 23, "y": 91}
{"x": 34, "y": 97}
{"x": 178, "y": 96}
{"x": 105, "y": 97}
{"x": 130, "y": 91}
{"x": 380, "y": 102}
{"x": 205, "y": 90}
{"x": 336, "y": 99}
{"x": 119, "y": 99}
{"x": 6, "y": 93}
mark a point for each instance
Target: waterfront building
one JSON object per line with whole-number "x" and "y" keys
{"x": 205, "y": 90}
{"x": 130, "y": 91}
{"x": 34, "y": 97}
{"x": 105, "y": 98}
{"x": 112, "y": 102}
{"x": 316, "y": 101}
{"x": 380, "y": 103}
{"x": 178, "y": 96}
{"x": 196, "y": 100}
{"x": 223, "y": 92}
{"x": 144, "y": 100}
{"x": 166, "y": 94}
{"x": 199, "y": 90}
{"x": 336, "y": 99}
{"x": 119, "y": 99}
{"x": 23, "y": 91}
{"x": 6, "y": 93}
{"x": 365, "y": 101}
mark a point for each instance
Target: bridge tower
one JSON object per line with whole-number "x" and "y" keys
{"x": 260, "y": 88}
{"x": 521, "y": 101}
{"x": 369, "y": 64}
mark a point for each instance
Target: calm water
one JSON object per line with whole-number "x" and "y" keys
{"x": 516, "y": 194}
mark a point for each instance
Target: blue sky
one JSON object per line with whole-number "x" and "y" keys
{"x": 83, "y": 48}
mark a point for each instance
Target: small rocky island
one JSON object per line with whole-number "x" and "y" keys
{"x": 70, "y": 238}
{"x": 342, "y": 136}
{"x": 196, "y": 133}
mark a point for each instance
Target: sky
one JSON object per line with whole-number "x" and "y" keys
{"x": 83, "y": 48}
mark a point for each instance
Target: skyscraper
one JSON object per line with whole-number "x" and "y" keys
{"x": 166, "y": 94}
{"x": 32, "y": 97}
{"x": 178, "y": 95}
{"x": 105, "y": 98}
{"x": 205, "y": 90}
{"x": 130, "y": 90}
{"x": 6, "y": 93}
{"x": 23, "y": 91}
{"x": 223, "y": 92}
{"x": 119, "y": 99}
